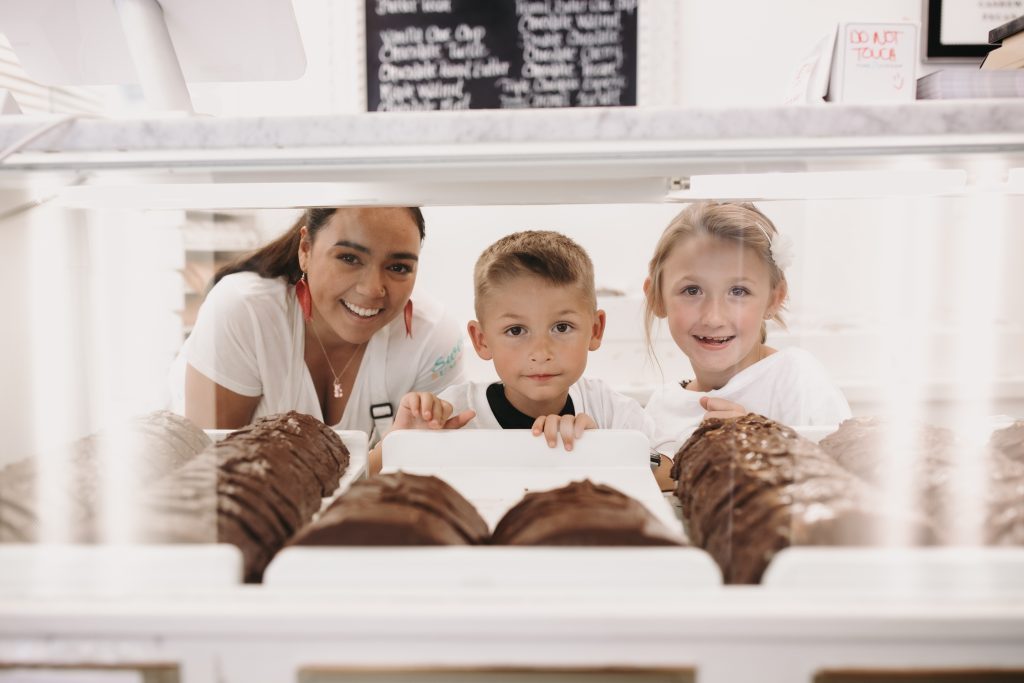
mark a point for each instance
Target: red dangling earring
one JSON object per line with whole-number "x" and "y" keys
{"x": 408, "y": 318}
{"x": 304, "y": 297}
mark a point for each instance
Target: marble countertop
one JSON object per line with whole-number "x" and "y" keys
{"x": 917, "y": 120}
{"x": 513, "y": 156}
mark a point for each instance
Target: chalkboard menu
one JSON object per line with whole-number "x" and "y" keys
{"x": 499, "y": 54}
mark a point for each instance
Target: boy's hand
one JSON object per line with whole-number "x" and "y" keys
{"x": 423, "y": 410}
{"x": 719, "y": 407}
{"x": 569, "y": 426}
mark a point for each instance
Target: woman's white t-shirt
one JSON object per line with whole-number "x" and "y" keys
{"x": 249, "y": 337}
{"x": 790, "y": 386}
{"x": 610, "y": 409}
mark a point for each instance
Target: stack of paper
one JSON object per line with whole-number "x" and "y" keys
{"x": 968, "y": 83}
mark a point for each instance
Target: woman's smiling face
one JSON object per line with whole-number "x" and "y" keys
{"x": 361, "y": 268}
{"x": 717, "y": 294}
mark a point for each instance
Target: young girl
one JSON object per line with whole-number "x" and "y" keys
{"x": 717, "y": 276}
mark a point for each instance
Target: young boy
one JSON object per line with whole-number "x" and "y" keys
{"x": 537, "y": 319}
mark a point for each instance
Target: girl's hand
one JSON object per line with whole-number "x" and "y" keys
{"x": 571, "y": 427}
{"x": 719, "y": 407}
{"x": 424, "y": 410}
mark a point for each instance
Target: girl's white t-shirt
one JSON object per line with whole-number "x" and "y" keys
{"x": 249, "y": 337}
{"x": 610, "y": 409}
{"x": 790, "y": 386}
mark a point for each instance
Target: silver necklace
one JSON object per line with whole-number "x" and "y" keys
{"x": 339, "y": 392}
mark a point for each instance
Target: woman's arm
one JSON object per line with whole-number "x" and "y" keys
{"x": 211, "y": 406}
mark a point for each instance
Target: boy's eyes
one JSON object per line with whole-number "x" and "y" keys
{"x": 515, "y": 331}
{"x": 562, "y": 327}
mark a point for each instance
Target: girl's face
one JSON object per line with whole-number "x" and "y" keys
{"x": 716, "y": 294}
{"x": 361, "y": 268}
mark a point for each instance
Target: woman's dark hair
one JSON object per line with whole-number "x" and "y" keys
{"x": 280, "y": 258}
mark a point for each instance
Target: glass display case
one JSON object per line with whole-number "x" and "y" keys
{"x": 90, "y": 217}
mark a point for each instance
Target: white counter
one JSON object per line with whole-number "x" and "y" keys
{"x": 712, "y": 138}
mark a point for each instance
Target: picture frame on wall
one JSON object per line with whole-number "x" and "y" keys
{"x": 957, "y": 30}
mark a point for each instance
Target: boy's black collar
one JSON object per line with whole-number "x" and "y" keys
{"x": 510, "y": 417}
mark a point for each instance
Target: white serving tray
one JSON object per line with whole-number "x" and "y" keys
{"x": 68, "y": 569}
{"x": 474, "y": 568}
{"x": 936, "y": 573}
{"x": 494, "y": 469}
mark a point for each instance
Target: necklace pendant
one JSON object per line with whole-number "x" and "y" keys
{"x": 338, "y": 391}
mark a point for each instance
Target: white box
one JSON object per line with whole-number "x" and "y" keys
{"x": 874, "y": 62}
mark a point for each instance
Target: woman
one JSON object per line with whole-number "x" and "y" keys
{"x": 321, "y": 321}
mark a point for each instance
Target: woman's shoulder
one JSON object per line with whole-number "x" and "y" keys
{"x": 427, "y": 311}
{"x": 432, "y": 326}
{"x": 432, "y": 352}
{"x": 251, "y": 284}
{"x": 248, "y": 287}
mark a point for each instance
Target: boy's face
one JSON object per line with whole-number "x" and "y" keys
{"x": 538, "y": 334}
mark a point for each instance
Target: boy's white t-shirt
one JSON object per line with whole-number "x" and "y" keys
{"x": 610, "y": 409}
{"x": 790, "y": 386}
{"x": 249, "y": 337}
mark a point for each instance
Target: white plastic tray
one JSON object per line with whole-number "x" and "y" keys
{"x": 430, "y": 569}
{"x": 494, "y": 469}
{"x": 59, "y": 569}
{"x": 949, "y": 572}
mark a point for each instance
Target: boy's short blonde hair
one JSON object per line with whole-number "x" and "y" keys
{"x": 543, "y": 253}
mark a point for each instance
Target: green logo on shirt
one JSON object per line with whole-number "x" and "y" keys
{"x": 446, "y": 363}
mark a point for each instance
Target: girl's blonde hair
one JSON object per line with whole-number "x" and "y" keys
{"x": 741, "y": 222}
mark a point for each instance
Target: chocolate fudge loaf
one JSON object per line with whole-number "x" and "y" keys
{"x": 864, "y": 445}
{"x": 581, "y": 514}
{"x": 150, "y": 447}
{"x": 1004, "y": 524}
{"x": 1009, "y": 441}
{"x": 397, "y": 509}
{"x": 750, "y": 486}
{"x": 253, "y": 489}
{"x": 928, "y": 453}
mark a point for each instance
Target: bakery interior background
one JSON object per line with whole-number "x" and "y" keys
{"x": 912, "y": 302}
